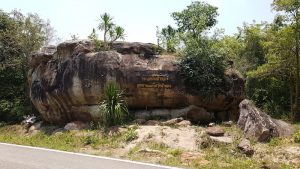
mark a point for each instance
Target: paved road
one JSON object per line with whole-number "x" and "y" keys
{"x": 24, "y": 157}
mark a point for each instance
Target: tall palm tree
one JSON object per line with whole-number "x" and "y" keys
{"x": 106, "y": 23}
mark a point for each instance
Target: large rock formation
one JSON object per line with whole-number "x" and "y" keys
{"x": 260, "y": 126}
{"x": 66, "y": 82}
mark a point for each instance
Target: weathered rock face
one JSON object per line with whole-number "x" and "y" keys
{"x": 67, "y": 82}
{"x": 260, "y": 126}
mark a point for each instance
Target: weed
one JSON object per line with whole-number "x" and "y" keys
{"x": 130, "y": 135}
{"x": 175, "y": 152}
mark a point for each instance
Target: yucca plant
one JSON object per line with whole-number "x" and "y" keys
{"x": 113, "y": 108}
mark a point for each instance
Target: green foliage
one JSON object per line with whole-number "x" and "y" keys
{"x": 130, "y": 135}
{"x": 286, "y": 5}
{"x": 252, "y": 54}
{"x": 203, "y": 71}
{"x": 113, "y": 108}
{"x": 297, "y": 137}
{"x": 169, "y": 38}
{"x": 117, "y": 32}
{"x": 272, "y": 98}
{"x": 277, "y": 71}
{"x": 196, "y": 18}
{"x": 262, "y": 53}
{"x": 202, "y": 68}
{"x": 19, "y": 36}
{"x": 99, "y": 45}
{"x": 112, "y": 32}
{"x": 175, "y": 152}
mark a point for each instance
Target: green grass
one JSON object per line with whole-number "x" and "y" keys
{"x": 68, "y": 140}
{"x": 213, "y": 156}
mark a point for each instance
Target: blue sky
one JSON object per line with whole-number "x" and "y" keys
{"x": 138, "y": 17}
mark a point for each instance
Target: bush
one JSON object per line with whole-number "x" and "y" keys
{"x": 113, "y": 109}
{"x": 297, "y": 137}
{"x": 203, "y": 71}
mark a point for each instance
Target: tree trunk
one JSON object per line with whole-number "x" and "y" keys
{"x": 292, "y": 89}
{"x": 297, "y": 113}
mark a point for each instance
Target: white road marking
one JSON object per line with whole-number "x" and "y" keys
{"x": 87, "y": 155}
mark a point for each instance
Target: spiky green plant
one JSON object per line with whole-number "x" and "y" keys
{"x": 113, "y": 108}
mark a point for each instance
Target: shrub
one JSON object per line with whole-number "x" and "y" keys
{"x": 297, "y": 137}
{"x": 203, "y": 71}
{"x": 113, "y": 109}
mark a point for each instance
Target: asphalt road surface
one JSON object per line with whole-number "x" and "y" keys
{"x": 25, "y": 157}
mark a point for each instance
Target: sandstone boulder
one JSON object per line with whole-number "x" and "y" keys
{"x": 76, "y": 125}
{"x": 222, "y": 139}
{"x": 199, "y": 114}
{"x": 215, "y": 131}
{"x": 184, "y": 123}
{"x": 172, "y": 122}
{"x": 66, "y": 82}
{"x": 245, "y": 146}
{"x": 260, "y": 126}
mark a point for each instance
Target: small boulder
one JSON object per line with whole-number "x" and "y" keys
{"x": 215, "y": 131}
{"x": 184, "y": 123}
{"x": 245, "y": 146}
{"x": 172, "y": 122}
{"x": 76, "y": 125}
{"x": 199, "y": 115}
{"x": 222, "y": 139}
{"x": 211, "y": 124}
{"x": 35, "y": 126}
{"x": 152, "y": 123}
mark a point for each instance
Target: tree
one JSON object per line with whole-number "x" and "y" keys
{"x": 106, "y": 24}
{"x": 50, "y": 34}
{"x": 168, "y": 36}
{"x": 292, "y": 10}
{"x": 19, "y": 36}
{"x": 195, "y": 19}
{"x": 252, "y": 53}
{"x": 200, "y": 66}
{"x": 112, "y": 32}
